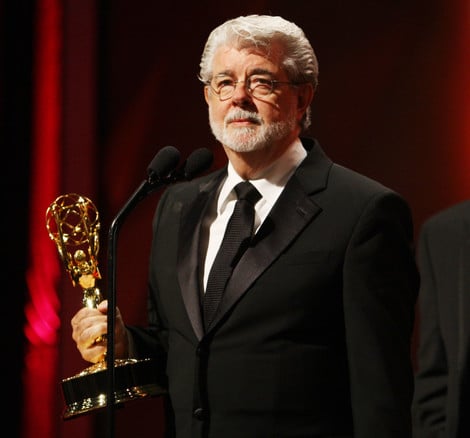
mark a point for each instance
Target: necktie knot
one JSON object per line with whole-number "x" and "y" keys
{"x": 247, "y": 191}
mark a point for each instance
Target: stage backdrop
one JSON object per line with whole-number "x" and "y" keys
{"x": 393, "y": 103}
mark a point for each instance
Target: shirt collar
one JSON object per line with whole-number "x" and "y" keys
{"x": 273, "y": 180}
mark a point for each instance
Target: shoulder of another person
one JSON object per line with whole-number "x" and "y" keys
{"x": 448, "y": 216}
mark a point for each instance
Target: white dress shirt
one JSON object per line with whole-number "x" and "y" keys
{"x": 270, "y": 185}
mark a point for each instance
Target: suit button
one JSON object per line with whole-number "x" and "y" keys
{"x": 199, "y": 414}
{"x": 201, "y": 350}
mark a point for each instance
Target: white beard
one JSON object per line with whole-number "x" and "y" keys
{"x": 250, "y": 138}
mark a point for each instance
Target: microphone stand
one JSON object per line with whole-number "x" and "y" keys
{"x": 164, "y": 162}
{"x": 143, "y": 190}
{"x": 161, "y": 172}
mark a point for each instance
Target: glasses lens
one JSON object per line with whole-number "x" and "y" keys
{"x": 260, "y": 87}
{"x": 226, "y": 91}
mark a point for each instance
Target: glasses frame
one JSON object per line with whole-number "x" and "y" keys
{"x": 247, "y": 84}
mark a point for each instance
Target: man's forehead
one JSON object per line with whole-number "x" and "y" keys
{"x": 230, "y": 60}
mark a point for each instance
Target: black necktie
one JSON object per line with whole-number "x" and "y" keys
{"x": 236, "y": 239}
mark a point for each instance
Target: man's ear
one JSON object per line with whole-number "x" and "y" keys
{"x": 305, "y": 97}
{"x": 206, "y": 94}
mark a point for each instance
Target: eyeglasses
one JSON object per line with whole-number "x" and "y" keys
{"x": 256, "y": 86}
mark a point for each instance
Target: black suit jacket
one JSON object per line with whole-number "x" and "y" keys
{"x": 313, "y": 334}
{"x": 442, "y": 399}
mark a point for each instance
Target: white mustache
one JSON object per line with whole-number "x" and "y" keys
{"x": 243, "y": 114}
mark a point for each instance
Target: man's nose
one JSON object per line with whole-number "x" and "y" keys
{"x": 241, "y": 91}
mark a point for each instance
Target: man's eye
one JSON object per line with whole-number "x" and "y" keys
{"x": 260, "y": 82}
{"x": 223, "y": 83}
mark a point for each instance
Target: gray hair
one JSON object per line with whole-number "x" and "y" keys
{"x": 300, "y": 62}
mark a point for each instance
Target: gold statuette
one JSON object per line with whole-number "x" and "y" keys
{"x": 72, "y": 222}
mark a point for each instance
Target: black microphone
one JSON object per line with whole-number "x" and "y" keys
{"x": 197, "y": 162}
{"x": 163, "y": 164}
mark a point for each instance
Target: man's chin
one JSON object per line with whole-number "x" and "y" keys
{"x": 239, "y": 142}
{"x": 245, "y": 146}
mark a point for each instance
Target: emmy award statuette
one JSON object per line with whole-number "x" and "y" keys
{"x": 72, "y": 222}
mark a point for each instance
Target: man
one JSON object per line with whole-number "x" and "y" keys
{"x": 312, "y": 334}
{"x": 442, "y": 398}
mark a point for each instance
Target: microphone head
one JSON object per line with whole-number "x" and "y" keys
{"x": 199, "y": 161}
{"x": 164, "y": 162}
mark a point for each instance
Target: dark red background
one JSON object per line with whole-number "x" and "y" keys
{"x": 393, "y": 103}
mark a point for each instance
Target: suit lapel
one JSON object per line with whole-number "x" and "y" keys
{"x": 189, "y": 248}
{"x": 293, "y": 211}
